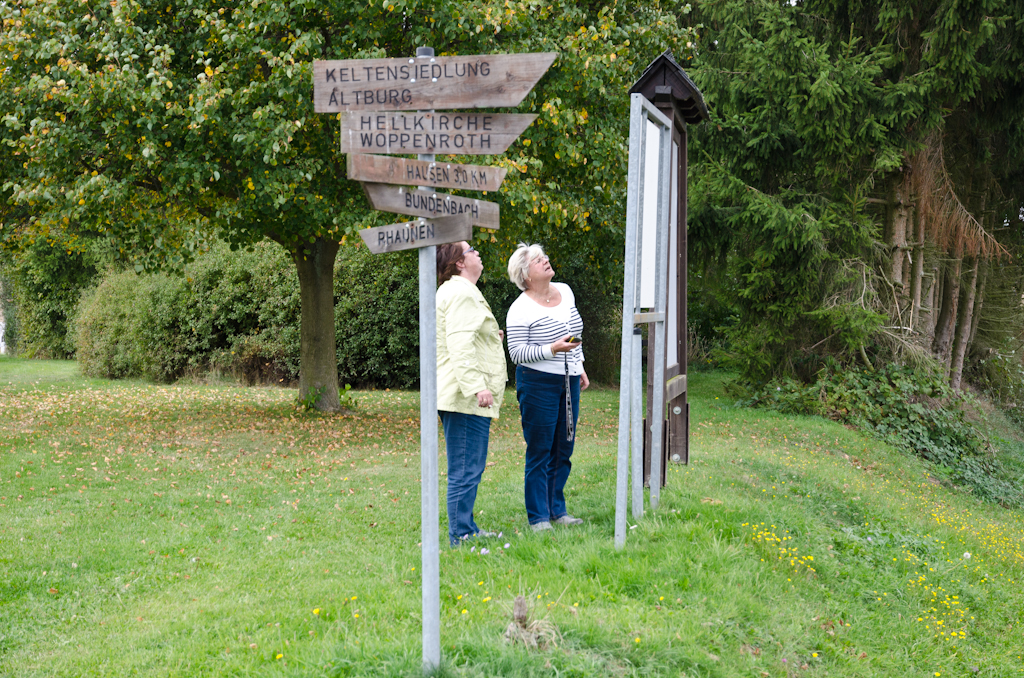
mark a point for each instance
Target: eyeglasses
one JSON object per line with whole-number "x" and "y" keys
{"x": 471, "y": 249}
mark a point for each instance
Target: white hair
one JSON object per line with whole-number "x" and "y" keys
{"x": 519, "y": 263}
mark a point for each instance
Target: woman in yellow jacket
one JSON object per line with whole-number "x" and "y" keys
{"x": 471, "y": 379}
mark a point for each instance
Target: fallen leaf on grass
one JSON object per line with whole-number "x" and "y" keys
{"x": 709, "y": 500}
{"x": 53, "y": 591}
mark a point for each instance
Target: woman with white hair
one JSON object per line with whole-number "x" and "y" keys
{"x": 543, "y": 329}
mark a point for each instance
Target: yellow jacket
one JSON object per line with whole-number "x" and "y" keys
{"x": 470, "y": 357}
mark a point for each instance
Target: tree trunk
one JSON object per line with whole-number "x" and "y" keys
{"x": 933, "y": 288}
{"x": 923, "y": 320}
{"x": 979, "y": 302}
{"x": 947, "y": 311}
{"x": 318, "y": 360}
{"x": 899, "y": 255}
{"x": 917, "y": 276}
{"x": 963, "y": 329}
{"x": 896, "y": 235}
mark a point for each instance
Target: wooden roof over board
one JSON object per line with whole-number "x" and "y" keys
{"x": 665, "y": 76}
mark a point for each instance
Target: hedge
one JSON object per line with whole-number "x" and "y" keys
{"x": 238, "y": 313}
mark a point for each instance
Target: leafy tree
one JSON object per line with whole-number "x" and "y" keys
{"x": 822, "y": 174}
{"x": 149, "y": 124}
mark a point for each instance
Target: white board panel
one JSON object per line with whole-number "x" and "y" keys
{"x": 672, "y": 320}
{"x": 649, "y": 226}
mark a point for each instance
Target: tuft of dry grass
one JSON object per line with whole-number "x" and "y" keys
{"x": 534, "y": 634}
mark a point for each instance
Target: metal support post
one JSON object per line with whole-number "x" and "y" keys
{"x": 626, "y": 376}
{"x": 429, "y": 503}
{"x": 637, "y": 424}
{"x": 656, "y": 409}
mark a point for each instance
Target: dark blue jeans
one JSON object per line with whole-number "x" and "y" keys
{"x": 465, "y": 437}
{"x": 542, "y": 405}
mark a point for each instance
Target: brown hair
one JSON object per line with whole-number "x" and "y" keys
{"x": 448, "y": 256}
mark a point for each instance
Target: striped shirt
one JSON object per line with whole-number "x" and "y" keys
{"x": 531, "y": 329}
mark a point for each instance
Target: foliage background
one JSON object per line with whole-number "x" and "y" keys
{"x": 237, "y": 314}
{"x": 191, "y": 120}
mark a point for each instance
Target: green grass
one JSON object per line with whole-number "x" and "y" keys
{"x": 193, "y": 530}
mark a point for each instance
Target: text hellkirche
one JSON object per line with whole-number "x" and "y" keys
{"x": 434, "y": 132}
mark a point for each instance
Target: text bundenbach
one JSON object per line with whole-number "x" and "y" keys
{"x": 422, "y": 201}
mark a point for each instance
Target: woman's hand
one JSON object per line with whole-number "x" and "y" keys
{"x": 584, "y": 381}
{"x": 484, "y": 398}
{"x": 563, "y": 345}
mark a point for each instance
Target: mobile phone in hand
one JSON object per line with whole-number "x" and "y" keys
{"x": 574, "y": 339}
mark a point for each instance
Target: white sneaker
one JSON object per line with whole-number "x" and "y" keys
{"x": 541, "y": 526}
{"x": 568, "y": 520}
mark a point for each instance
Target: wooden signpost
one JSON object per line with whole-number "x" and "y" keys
{"x": 410, "y": 235}
{"x": 445, "y": 133}
{"x": 367, "y": 91}
{"x": 482, "y": 81}
{"x": 381, "y": 170}
{"x": 420, "y": 203}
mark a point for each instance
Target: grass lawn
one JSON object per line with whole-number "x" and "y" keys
{"x": 217, "y": 531}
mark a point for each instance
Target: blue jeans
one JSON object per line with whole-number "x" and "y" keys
{"x": 542, "y": 405}
{"x": 465, "y": 437}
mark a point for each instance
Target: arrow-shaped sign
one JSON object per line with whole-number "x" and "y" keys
{"x": 420, "y": 83}
{"x": 383, "y": 170}
{"x": 444, "y": 133}
{"x": 418, "y": 203}
{"x": 410, "y": 235}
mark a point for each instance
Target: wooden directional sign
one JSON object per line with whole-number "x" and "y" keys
{"x": 417, "y": 203}
{"x": 420, "y": 83}
{"x": 444, "y": 133}
{"x": 411, "y": 235}
{"x": 384, "y": 170}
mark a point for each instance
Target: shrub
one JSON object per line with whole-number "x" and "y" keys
{"x": 911, "y": 410}
{"x": 116, "y": 324}
{"x": 47, "y": 283}
{"x": 230, "y": 311}
{"x": 9, "y": 314}
{"x": 239, "y": 313}
{"x": 1000, "y": 375}
{"x": 377, "y": 317}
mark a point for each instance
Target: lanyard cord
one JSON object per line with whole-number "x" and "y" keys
{"x": 570, "y": 430}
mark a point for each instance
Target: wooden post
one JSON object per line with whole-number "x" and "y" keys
{"x": 678, "y": 407}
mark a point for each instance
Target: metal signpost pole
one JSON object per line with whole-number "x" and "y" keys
{"x": 429, "y": 507}
{"x": 636, "y": 406}
{"x": 628, "y": 308}
{"x": 637, "y": 371}
{"x": 427, "y": 82}
{"x": 656, "y": 411}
